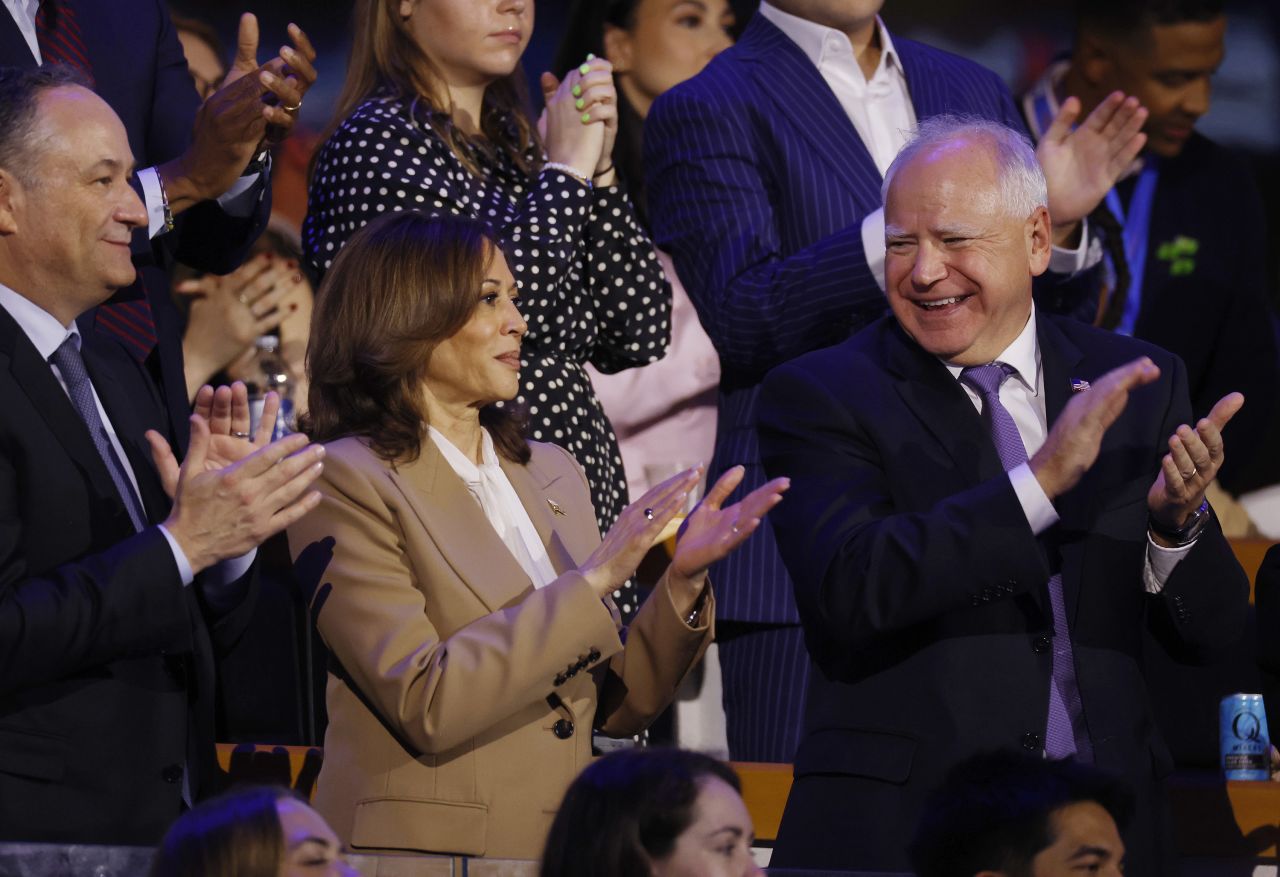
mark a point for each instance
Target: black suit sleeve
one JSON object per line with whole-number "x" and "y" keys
{"x": 863, "y": 569}
{"x": 125, "y": 601}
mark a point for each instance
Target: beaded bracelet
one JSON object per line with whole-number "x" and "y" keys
{"x": 567, "y": 171}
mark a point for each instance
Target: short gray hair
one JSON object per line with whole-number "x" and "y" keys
{"x": 1022, "y": 184}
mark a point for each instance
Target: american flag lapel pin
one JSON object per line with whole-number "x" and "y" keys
{"x": 555, "y": 508}
{"x": 1079, "y": 386}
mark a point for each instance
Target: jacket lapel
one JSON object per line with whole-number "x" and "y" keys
{"x": 535, "y": 486}
{"x": 941, "y": 405}
{"x": 123, "y": 407}
{"x": 14, "y": 50}
{"x": 798, "y": 91}
{"x": 35, "y": 379}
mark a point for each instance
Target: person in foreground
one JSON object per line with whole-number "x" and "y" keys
{"x": 461, "y": 582}
{"x": 1010, "y": 814}
{"x": 652, "y": 813}
{"x": 121, "y": 573}
{"x": 251, "y": 832}
{"x": 990, "y": 503}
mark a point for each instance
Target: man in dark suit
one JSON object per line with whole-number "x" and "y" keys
{"x": 987, "y": 505}
{"x": 764, "y": 175}
{"x": 1188, "y": 212}
{"x": 204, "y": 172}
{"x": 120, "y": 572}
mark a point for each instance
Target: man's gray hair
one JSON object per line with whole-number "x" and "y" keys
{"x": 20, "y": 92}
{"x": 1022, "y": 183}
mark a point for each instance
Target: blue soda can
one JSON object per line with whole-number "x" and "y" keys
{"x": 1242, "y": 732}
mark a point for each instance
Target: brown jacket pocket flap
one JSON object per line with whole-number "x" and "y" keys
{"x": 420, "y": 825}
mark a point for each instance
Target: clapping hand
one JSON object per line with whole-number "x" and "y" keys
{"x": 225, "y": 413}
{"x": 1194, "y": 458}
{"x": 712, "y": 532}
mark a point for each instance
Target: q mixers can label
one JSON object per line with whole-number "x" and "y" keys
{"x": 1242, "y": 732}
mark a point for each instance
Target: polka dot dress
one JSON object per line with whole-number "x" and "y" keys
{"x": 591, "y": 286}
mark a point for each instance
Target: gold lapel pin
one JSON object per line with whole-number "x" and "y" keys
{"x": 555, "y": 509}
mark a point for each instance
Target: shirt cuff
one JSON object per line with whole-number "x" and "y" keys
{"x": 873, "y": 243}
{"x": 242, "y": 198}
{"x": 185, "y": 571}
{"x": 149, "y": 179}
{"x": 1041, "y": 514}
{"x": 1069, "y": 262}
{"x": 1159, "y": 564}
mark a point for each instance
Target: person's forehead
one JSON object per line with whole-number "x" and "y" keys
{"x": 948, "y": 173}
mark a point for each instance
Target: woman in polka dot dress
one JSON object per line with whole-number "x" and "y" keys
{"x": 430, "y": 119}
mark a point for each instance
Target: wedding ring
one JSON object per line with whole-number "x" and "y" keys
{"x": 240, "y": 435}
{"x": 244, "y": 299}
{"x": 648, "y": 513}
{"x": 1192, "y": 474}
{"x": 294, "y": 108}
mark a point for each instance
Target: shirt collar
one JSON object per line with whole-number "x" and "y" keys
{"x": 467, "y": 470}
{"x": 819, "y": 42}
{"x": 42, "y": 327}
{"x": 1023, "y": 356}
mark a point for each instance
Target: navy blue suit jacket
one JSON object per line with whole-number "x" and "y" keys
{"x": 140, "y": 71}
{"x": 923, "y": 590}
{"x": 758, "y": 184}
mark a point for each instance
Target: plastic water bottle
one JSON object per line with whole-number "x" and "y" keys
{"x": 270, "y": 374}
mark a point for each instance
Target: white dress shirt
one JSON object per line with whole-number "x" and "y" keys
{"x": 1022, "y": 393}
{"x": 501, "y": 505}
{"x": 881, "y": 111}
{"x": 238, "y": 201}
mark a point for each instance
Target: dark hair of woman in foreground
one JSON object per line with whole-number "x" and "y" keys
{"x": 624, "y": 815}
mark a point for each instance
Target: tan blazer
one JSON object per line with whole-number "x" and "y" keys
{"x": 457, "y": 680}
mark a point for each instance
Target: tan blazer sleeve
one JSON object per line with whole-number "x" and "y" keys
{"x": 639, "y": 682}
{"x": 435, "y": 690}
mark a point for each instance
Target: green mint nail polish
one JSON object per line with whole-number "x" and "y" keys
{"x": 586, "y": 117}
{"x": 577, "y": 91}
{"x": 580, "y": 103}
{"x": 584, "y": 69}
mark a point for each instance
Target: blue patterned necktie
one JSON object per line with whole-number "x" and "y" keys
{"x": 1065, "y": 732}
{"x": 71, "y": 365}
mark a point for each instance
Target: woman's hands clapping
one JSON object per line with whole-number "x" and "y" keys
{"x": 709, "y": 533}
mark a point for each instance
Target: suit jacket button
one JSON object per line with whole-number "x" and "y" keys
{"x": 563, "y": 728}
{"x": 594, "y": 655}
{"x": 975, "y": 600}
{"x": 1031, "y": 741}
{"x": 560, "y": 679}
{"x": 1040, "y": 644}
{"x": 172, "y": 774}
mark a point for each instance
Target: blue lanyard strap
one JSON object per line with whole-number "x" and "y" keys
{"x": 1136, "y": 222}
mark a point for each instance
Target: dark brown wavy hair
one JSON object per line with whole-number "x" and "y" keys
{"x": 237, "y": 834}
{"x": 385, "y": 55}
{"x": 401, "y": 285}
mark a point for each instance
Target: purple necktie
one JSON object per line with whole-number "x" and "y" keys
{"x": 71, "y": 366}
{"x": 1065, "y": 732}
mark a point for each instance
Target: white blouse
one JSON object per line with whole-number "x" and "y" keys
{"x": 501, "y": 504}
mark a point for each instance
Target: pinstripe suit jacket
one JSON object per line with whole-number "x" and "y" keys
{"x": 758, "y": 184}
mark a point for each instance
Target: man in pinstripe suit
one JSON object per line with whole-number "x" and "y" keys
{"x": 764, "y": 179}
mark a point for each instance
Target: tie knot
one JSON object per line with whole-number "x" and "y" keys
{"x": 986, "y": 379}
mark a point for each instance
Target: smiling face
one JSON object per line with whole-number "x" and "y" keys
{"x": 471, "y": 42}
{"x": 480, "y": 363}
{"x": 958, "y": 267}
{"x": 311, "y": 849}
{"x": 669, "y": 41}
{"x": 1169, "y": 68}
{"x": 718, "y": 841}
{"x": 66, "y": 230}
